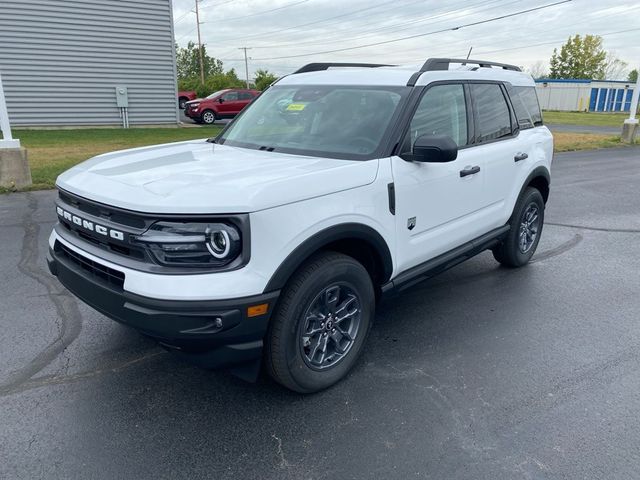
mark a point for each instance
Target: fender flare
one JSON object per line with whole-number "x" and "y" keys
{"x": 536, "y": 172}
{"x": 325, "y": 237}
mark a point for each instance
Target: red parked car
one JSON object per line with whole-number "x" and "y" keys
{"x": 221, "y": 104}
{"x": 184, "y": 96}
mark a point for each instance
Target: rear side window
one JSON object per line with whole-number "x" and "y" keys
{"x": 492, "y": 112}
{"x": 525, "y": 103}
{"x": 245, "y": 96}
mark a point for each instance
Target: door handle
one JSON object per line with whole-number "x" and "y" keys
{"x": 469, "y": 171}
{"x": 520, "y": 156}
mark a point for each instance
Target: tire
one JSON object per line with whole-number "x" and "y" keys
{"x": 182, "y": 101}
{"x": 328, "y": 281}
{"x": 521, "y": 242}
{"x": 208, "y": 117}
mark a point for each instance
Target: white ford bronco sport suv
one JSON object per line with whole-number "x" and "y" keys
{"x": 272, "y": 242}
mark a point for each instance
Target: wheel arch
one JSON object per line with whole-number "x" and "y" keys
{"x": 354, "y": 239}
{"x": 540, "y": 179}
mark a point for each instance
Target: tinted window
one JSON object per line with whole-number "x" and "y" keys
{"x": 525, "y": 103}
{"x": 231, "y": 96}
{"x": 442, "y": 111}
{"x": 492, "y": 112}
{"x": 245, "y": 96}
{"x": 327, "y": 120}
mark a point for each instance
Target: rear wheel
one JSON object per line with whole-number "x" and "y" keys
{"x": 208, "y": 117}
{"x": 526, "y": 227}
{"x": 321, "y": 323}
{"x": 182, "y": 103}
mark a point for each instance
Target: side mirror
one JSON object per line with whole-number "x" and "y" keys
{"x": 220, "y": 100}
{"x": 434, "y": 149}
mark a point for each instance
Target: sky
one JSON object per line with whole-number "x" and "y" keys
{"x": 285, "y": 34}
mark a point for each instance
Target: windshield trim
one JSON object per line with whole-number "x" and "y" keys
{"x": 379, "y": 152}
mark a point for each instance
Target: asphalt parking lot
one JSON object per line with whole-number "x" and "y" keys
{"x": 481, "y": 373}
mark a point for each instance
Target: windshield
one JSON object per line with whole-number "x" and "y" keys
{"x": 327, "y": 120}
{"x": 215, "y": 94}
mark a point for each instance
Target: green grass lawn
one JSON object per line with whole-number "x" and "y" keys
{"x": 51, "y": 152}
{"x": 590, "y": 119}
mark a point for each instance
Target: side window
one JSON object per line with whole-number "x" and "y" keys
{"x": 230, "y": 96}
{"x": 492, "y": 112}
{"x": 529, "y": 100}
{"x": 442, "y": 111}
{"x": 245, "y": 96}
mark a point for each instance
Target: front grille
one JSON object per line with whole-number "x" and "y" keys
{"x": 129, "y": 223}
{"x": 102, "y": 273}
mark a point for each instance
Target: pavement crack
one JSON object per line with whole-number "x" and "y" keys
{"x": 68, "y": 318}
{"x": 62, "y": 379}
{"x": 283, "y": 461}
{"x": 560, "y": 249}
{"x": 596, "y": 229}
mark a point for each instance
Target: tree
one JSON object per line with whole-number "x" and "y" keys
{"x": 538, "y": 70}
{"x": 188, "y": 62}
{"x": 263, "y": 79}
{"x": 633, "y": 75}
{"x": 580, "y": 57}
{"x": 614, "y": 68}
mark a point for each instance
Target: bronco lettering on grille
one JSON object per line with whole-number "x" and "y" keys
{"x": 90, "y": 226}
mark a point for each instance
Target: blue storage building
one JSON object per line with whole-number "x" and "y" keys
{"x": 585, "y": 95}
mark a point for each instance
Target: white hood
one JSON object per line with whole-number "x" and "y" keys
{"x": 201, "y": 177}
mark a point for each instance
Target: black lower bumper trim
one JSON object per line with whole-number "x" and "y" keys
{"x": 219, "y": 331}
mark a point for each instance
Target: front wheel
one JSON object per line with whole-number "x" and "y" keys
{"x": 208, "y": 117}
{"x": 182, "y": 103}
{"x": 321, "y": 323}
{"x": 526, "y": 227}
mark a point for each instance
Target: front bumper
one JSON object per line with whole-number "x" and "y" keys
{"x": 218, "y": 331}
{"x": 191, "y": 113}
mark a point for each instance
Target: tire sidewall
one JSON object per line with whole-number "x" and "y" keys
{"x": 213, "y": 116}
{"x": 531, "y": 195}
{"x": 346, "y": 273}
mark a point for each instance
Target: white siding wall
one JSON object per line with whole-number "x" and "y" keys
{"x": 61, "y": 60}
{"x": 564, "y": 96}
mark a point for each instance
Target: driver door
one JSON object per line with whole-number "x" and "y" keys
{"x": 439, "y": 206}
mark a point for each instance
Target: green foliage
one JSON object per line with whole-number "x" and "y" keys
{"x": 212, "y": 83}
{"x": 633, "y": 75}
{"x": 264, "y": 78}
{"x": 215, "y": 78}
{"x": 188, "y": 62}
{"x": 580, "y": 57}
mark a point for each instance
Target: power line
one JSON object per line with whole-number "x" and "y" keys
{"x": 554, "y": 42}
{"x": 264, "y": 11}
{"x": 298, "y": 26}
{"x": 501, "y": 17}
{"x": 402, "y": 25}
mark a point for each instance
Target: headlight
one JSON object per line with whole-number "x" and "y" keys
{"x": 192, "y": 244}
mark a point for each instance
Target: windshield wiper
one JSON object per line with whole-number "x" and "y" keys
{"x": 266, "y": 149}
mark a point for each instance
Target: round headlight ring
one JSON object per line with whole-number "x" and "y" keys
{"x": 218, "y": 243}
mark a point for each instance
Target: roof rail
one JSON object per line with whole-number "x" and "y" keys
{"x": 315, "y": 67}
{"x": 439, "y": 64}
{"x": 443, "y": 64}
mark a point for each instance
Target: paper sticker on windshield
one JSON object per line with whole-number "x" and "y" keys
{"x": 296, "y": 107}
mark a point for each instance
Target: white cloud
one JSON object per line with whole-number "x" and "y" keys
{"x": 308, "y": 27}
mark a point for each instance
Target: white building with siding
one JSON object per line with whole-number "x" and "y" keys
{"x": 585, "y": 95}
{"x": 61, "y": 61}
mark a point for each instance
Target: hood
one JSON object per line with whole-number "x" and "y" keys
{"x": 202, "y": 177}
{"x": 197, "y": 100}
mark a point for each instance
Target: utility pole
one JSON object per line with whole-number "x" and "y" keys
{"x": 631, "y": 126}
{"x": 200, "y": 45}
{"x": 246, "y": 64}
